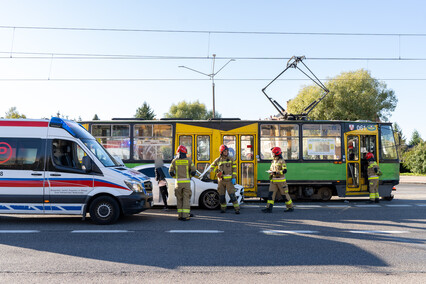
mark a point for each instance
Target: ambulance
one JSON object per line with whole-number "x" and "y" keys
{"x": 56, "y": 167}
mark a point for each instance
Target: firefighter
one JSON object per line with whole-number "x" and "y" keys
{"x": 278, "y": 182}
{"x": 182, "y": 169}
{"x": 373, "y": 173}
{"x": 226, "y": 170}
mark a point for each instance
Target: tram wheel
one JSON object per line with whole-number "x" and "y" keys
{"x": 325, "y": 193}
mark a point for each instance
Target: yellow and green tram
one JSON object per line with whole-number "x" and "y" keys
{"x": 324, "y": 158}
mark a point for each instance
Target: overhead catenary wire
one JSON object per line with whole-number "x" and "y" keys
{"x": 48, "y": 55}
{"x": 212, "y": 31}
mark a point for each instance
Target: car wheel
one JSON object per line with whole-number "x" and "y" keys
{"x": 388, "y": 198}
{"x": 104, "y": 210}
{"x": 210, "y": 199}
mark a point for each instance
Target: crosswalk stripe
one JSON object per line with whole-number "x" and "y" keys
{"x": 283, "y": 232}
{"x": 101, "y": 231}
{"x": 18, "y": 231}
{"x": 379, "y": 232}
{"x": 195, "y": 231}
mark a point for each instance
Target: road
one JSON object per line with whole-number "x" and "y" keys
{"x": 336, "y": 241}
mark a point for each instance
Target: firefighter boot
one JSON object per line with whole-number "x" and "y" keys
{"x": 268, "y": 209}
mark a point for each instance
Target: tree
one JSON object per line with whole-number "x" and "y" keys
{"x": 353, "y": 96}
{"x": 96, "y": 117}
{"x": 145, "y": 112}
{"x": 195, "y": 110}
{"x": 13, "y": 113}
{"x": 415, "y": 159}
{"x": 415, "y": 138}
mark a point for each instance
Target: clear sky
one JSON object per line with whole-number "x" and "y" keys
{"x": 111, "y": 72}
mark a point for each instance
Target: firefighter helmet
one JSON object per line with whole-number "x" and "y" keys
{"x": 181, "y": 149}
{"x": 223, "y": 148}
{"x": 369, "y": 156}
{"x": 276, "y": 151}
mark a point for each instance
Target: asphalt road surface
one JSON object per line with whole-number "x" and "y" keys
{"x": 340, "y": 241}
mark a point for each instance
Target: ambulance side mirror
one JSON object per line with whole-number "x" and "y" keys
{"x": 87, "y": 163}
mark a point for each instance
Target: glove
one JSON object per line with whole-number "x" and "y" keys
{"x": 233, "y": 181}
{"x": 219, "y": 174}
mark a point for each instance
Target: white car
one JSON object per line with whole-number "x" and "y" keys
{"x": 204, "y": 190}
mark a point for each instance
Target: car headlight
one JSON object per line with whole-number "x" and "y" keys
{"x": 134, "y": 185}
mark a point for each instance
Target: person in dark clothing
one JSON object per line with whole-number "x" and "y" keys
{"x": 160, "y": 177}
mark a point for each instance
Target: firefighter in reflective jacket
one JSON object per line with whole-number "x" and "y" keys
{"x": 278, "y": 182}
{"x": 373, "y": 173}
{"x": 182, "y": 169}
{"x": 226, "y": 170}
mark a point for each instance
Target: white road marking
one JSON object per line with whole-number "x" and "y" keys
{"x": 367, "y": 205}
{"x": 18, "y": 231}
{"x": 195, "y": 231}
{"x": 379, "y": 232}
{"x": 421, "y": 204}
{"x": 338, "y": 206}
{"x": 101, "y": 231}
{"x": 398, "y": 205}
{"x": 284, "y": 232}
{"x": 307, "y": 206}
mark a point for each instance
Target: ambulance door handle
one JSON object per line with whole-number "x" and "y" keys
{"x": 36, "y": 174}
{"x": 55, "y": 175}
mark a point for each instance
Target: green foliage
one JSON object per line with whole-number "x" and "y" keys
{"x": 353, "y": 95}
{"x": 145, "y": 112}
{"x": 13, "y": 113}
{"x": 195, "y": 110}
{"x": 415, "y": 138}
{"x": 415, "y": 159}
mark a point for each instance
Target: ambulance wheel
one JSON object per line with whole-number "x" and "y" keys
{"x": 325, "y": 193}
{"x": 210, "y": 199}
{"x": 104, "y": 210}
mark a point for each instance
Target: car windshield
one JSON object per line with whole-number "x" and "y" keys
{"x": 103, "y": 156}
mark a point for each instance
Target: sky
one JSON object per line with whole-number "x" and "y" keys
{"x": 82, "y": 58}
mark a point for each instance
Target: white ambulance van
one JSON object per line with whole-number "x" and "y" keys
{"x": 56, "y": 167}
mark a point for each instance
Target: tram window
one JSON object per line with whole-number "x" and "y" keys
{"x": 101, "y": 130}
{"x": 321, "y": 142}
{"x": 153, "y": 141}
{"x": 388, "y": 148}
{"x": 231, "y": 142}
{"x": 186, "y": 140}
{"x": 285, "y": 136}
{"x": 201, "y": 167}
{"x": 353, "y": 148}
{"x": 247, "y": 145}
{"x": 115, "y": 138}
{"x": 247, "y": 175}
{"x": 203, "y": 148}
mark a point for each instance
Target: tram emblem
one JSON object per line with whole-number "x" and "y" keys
{"x": 351, "y": 127}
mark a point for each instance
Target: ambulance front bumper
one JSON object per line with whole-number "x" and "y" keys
{"x": 135, "y": 202}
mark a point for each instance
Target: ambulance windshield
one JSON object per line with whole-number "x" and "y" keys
{"x": 103, "y": 156}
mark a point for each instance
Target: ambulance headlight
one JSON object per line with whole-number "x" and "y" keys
{"x": 134, "y": 185}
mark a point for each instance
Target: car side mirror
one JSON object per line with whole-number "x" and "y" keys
{"x": 87, "y": 163}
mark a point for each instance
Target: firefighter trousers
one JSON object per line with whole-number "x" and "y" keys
{"x": 282, "y": 187}
{"x": 183, "y": 197}
{"x": 223, "y": 187}
{"x": 374, "y": 189}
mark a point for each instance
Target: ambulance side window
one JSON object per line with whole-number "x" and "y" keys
{"x": 21, "y": 154}
{"x": 67, "y": 156}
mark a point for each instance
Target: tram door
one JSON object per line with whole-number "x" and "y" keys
{"x": 199, "y": 149}
{"x": 357, "y": 146}
{"x": 242, "y": 149}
